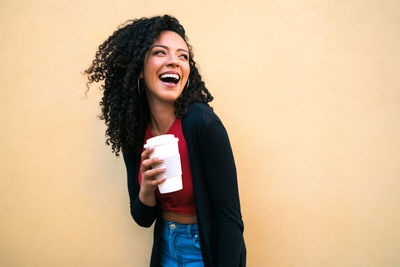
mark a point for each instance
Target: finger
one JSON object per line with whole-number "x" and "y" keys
{"x": 158, "y": 181}
{"x": 153, "y": 172}
{"x": 149, "y": 164}
{"x": 153, "y": 161}
{"x": 146, "y": 153}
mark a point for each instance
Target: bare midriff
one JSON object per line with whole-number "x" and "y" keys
{"x": 179, "y": 218}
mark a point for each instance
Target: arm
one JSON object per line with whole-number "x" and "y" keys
{"x": 143, "y": 208}
{"x": 220, "y": 172}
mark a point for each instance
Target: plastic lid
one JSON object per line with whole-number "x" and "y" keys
{"x": 160, "y": 140}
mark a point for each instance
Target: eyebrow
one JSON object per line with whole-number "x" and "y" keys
{"x": 166, "y": 47}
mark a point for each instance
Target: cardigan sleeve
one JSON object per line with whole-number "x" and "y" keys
{"x": 142, "y": 214}
{"x": 220, "y": 171}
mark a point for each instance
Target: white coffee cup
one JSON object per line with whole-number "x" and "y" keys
{"x": 166, "y": 148}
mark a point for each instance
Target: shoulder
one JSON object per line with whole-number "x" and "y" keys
{"x": 200, "y": 115}
{"x": 199, "y": 122}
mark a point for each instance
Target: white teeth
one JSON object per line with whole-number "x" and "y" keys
{"x": 170, "y": 75}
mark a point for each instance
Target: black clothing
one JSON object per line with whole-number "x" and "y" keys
{"x": 215, "y": 191}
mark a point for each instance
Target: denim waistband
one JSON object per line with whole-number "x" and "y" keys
{"x": 179, "y": 227}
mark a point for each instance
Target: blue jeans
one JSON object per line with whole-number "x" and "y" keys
{"x": 180, "y": 245}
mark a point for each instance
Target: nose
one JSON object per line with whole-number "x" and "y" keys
{"x": 173, "y": 61}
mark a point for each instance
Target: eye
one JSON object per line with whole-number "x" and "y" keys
{"x": 159, "y": 52}
{"x": 184, "y": 56}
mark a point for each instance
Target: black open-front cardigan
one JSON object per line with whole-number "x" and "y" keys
{"x": 215, "y": 191}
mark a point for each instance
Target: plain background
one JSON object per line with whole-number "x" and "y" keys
{"x": 307, "y": 89}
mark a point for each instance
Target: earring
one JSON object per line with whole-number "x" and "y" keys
{"x": 187, "y": 84}
{"x": 138, "y": 85}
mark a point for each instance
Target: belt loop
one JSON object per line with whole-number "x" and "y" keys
{"x": 189, "y": 230}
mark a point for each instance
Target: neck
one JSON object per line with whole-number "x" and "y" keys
{"x": 162, "y": 116}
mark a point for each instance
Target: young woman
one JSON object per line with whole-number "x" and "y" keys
{"x": 152, "y": 87}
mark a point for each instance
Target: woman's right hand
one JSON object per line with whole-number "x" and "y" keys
{"x": 149, "y": 181}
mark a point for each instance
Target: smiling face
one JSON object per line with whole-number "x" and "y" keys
{"x": 166, "y": 68}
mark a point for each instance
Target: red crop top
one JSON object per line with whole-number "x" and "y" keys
{"x": 181, "y": 201}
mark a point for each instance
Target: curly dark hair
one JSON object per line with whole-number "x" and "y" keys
{"x": 119, "y": 61}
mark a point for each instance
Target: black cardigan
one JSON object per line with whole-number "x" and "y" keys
{"x": 215, "y": 191}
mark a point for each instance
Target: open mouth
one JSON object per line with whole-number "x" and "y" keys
{"x": 170, "y": 78}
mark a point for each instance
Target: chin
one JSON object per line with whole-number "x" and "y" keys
{"x": 165, "y": 95}
{"x": 169, "y": 98}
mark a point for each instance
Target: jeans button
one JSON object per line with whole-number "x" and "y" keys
{"x": 173, "y": 226}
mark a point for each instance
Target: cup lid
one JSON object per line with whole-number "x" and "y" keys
{"x": 160, "y": 140}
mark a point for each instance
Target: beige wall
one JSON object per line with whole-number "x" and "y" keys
{"x": 308, "y": 90}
